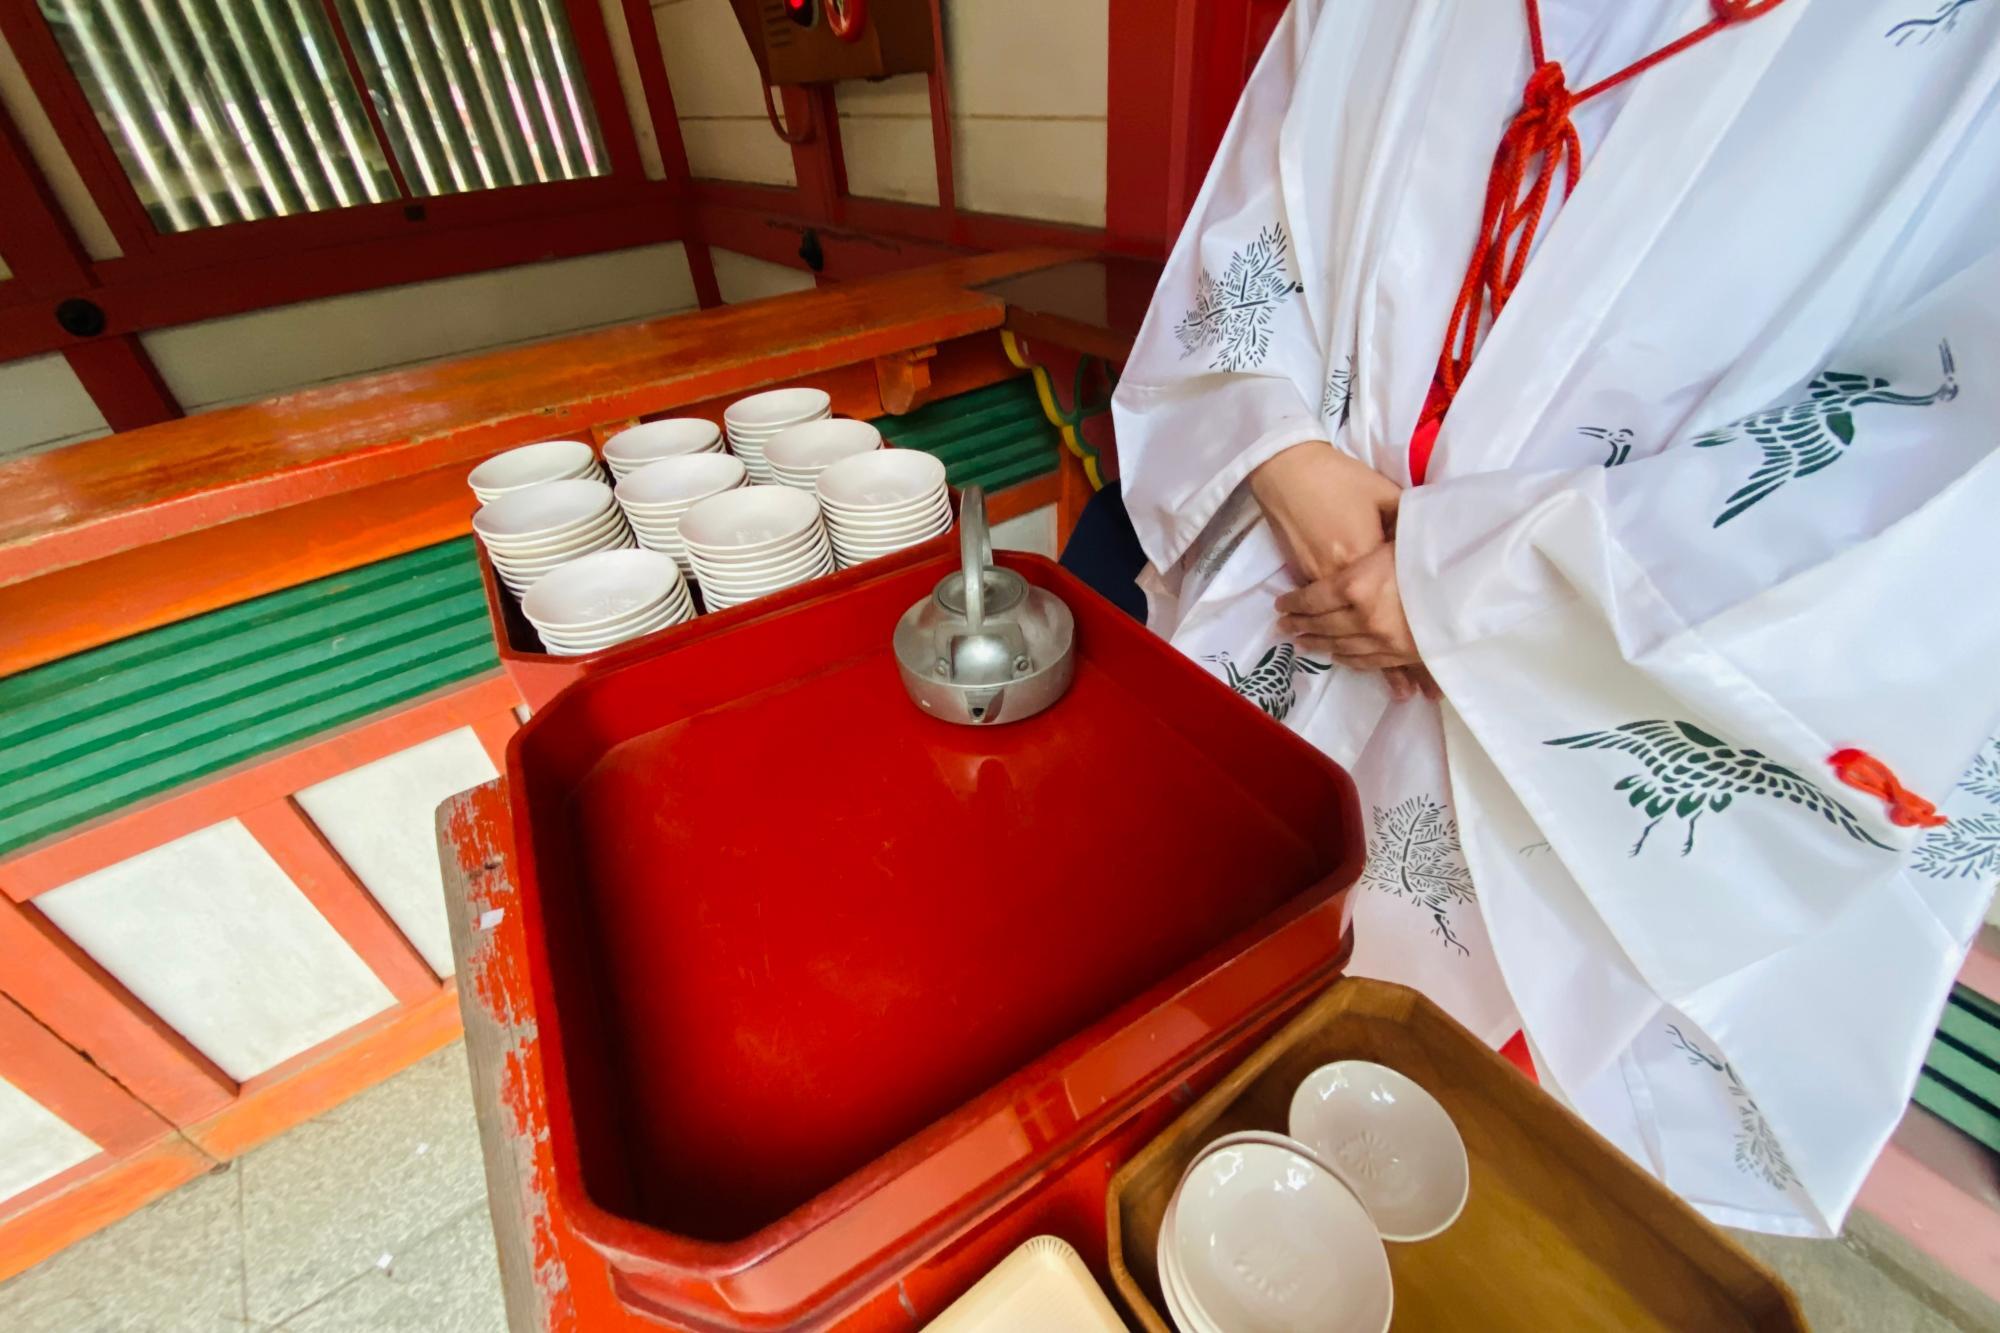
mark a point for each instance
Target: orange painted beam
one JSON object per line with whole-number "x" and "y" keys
{"x": 319, "y": 1079}
{"x": 291, "y": 839}
{"x": 80, "y": 1094}
{"x": 66, "y": 990}
{"x": 94, "y": 1194}
{"x": 81, "y": 606}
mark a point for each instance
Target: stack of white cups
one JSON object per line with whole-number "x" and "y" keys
{"x": 531, "y": 465}
{"x": 754, "y": 421}
{"x": 657, "y": 496}
{"x": 798, "y": 454}
{"x": 606, "y": 598}
{"x": 755, "y": 540}
{"x": 876, "y": 503}
{"x": 649, "y": 441}
{"x": 537, "y": 529}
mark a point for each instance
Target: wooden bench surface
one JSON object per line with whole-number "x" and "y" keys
{"x": 106, "y": 496}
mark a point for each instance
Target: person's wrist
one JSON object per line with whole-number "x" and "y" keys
{"x": 1268, "y": 479}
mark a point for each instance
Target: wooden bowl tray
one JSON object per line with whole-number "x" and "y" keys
{"x": 1561, "y": 1231}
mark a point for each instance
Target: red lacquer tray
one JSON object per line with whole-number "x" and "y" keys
{"x": 833, "y": 980}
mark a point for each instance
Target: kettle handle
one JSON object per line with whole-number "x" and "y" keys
{"x": 975, "y": 553}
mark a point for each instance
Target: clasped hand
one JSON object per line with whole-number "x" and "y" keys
{"x": 1335, "y": 520}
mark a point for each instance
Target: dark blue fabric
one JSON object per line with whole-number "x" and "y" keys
{"x": 1104, "y": 552}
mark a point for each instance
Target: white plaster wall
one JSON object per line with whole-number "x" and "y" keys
{"x": 379, "y": 818}
{"x": 43, "y": 405}
{"x": 264, "y": 352}
{"x": 1027, "y": 85}
{"x": 885, "y": 138}
{"x": 745, "y": 277}
{"x": 210, "y": 934}
{"x": 718, "y": 94}
{"x": 35, "y": 1143}
{"x": 1028, "y": 105}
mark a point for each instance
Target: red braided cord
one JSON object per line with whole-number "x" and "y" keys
{"x": 1541, "y": 139}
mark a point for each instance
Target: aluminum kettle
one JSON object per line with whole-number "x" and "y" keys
{"x": 986, "y": 646}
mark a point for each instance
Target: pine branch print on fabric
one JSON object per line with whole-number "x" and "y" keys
{"x": 1414, "y": 855}
{"x": 1757, "y": 1151}
{"x": 1687, "y": 772}
{"x": 1801, "y": 438}
{"x": 1234, "y": 316}
{"x": 1944, "y": 20}
{"x": 1969, "y": 846}
{"x": 1339, "y": 394}
{"x": 1270, "y": 684}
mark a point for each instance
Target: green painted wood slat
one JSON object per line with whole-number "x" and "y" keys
{"x": 93, "y": 733}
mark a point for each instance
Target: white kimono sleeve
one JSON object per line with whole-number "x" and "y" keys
{"x": 1660, "y": 660}
{"x": 1226, "y": 371}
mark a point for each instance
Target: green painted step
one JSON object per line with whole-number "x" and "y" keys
{"x": 1961, "y": 1078}
{"x": 93, "y": 733}
{"x": 996, "y": 436}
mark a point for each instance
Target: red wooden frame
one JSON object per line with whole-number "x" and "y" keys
{"x": 1164, "y": 71}
{"x": 152, "y": 251}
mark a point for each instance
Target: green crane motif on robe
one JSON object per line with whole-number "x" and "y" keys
{"x": 1801, "y": 438}
{"x": 1687, "y": 772}
{"x": 1269, "y": 684}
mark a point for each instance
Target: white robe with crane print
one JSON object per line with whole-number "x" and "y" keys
{"x": 1718, "y": 500}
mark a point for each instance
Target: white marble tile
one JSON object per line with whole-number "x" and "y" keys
{"x": 209, "y": 933}
{"x": 35, "y": 1142}
{"x": 381, "y": 819}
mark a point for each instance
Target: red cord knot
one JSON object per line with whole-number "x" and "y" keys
{"x": 1539, "y": 142}
{"x": 1539, "y": 132}
{"x": 1864, "y": 772}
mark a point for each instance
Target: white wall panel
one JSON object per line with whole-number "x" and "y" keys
{"x": 745, "y": 277}
{"x": 1028, "y": 98}
{"x": 379, "y": 817}
{"x": 1042, "y": 58}
{"x": 719, "y": 95}
{"x": 43, "y": 404}
{"x": 737, "y": 149}
{"x": 885, "y": 138}
{"x": 265, "y": 352}
{"x": 1047, "y": 169}
{"x": 209, "y": 933}
{"x": 35, "y": 1143}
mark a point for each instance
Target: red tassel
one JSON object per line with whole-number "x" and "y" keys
{"x": 1864, "y": 772}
